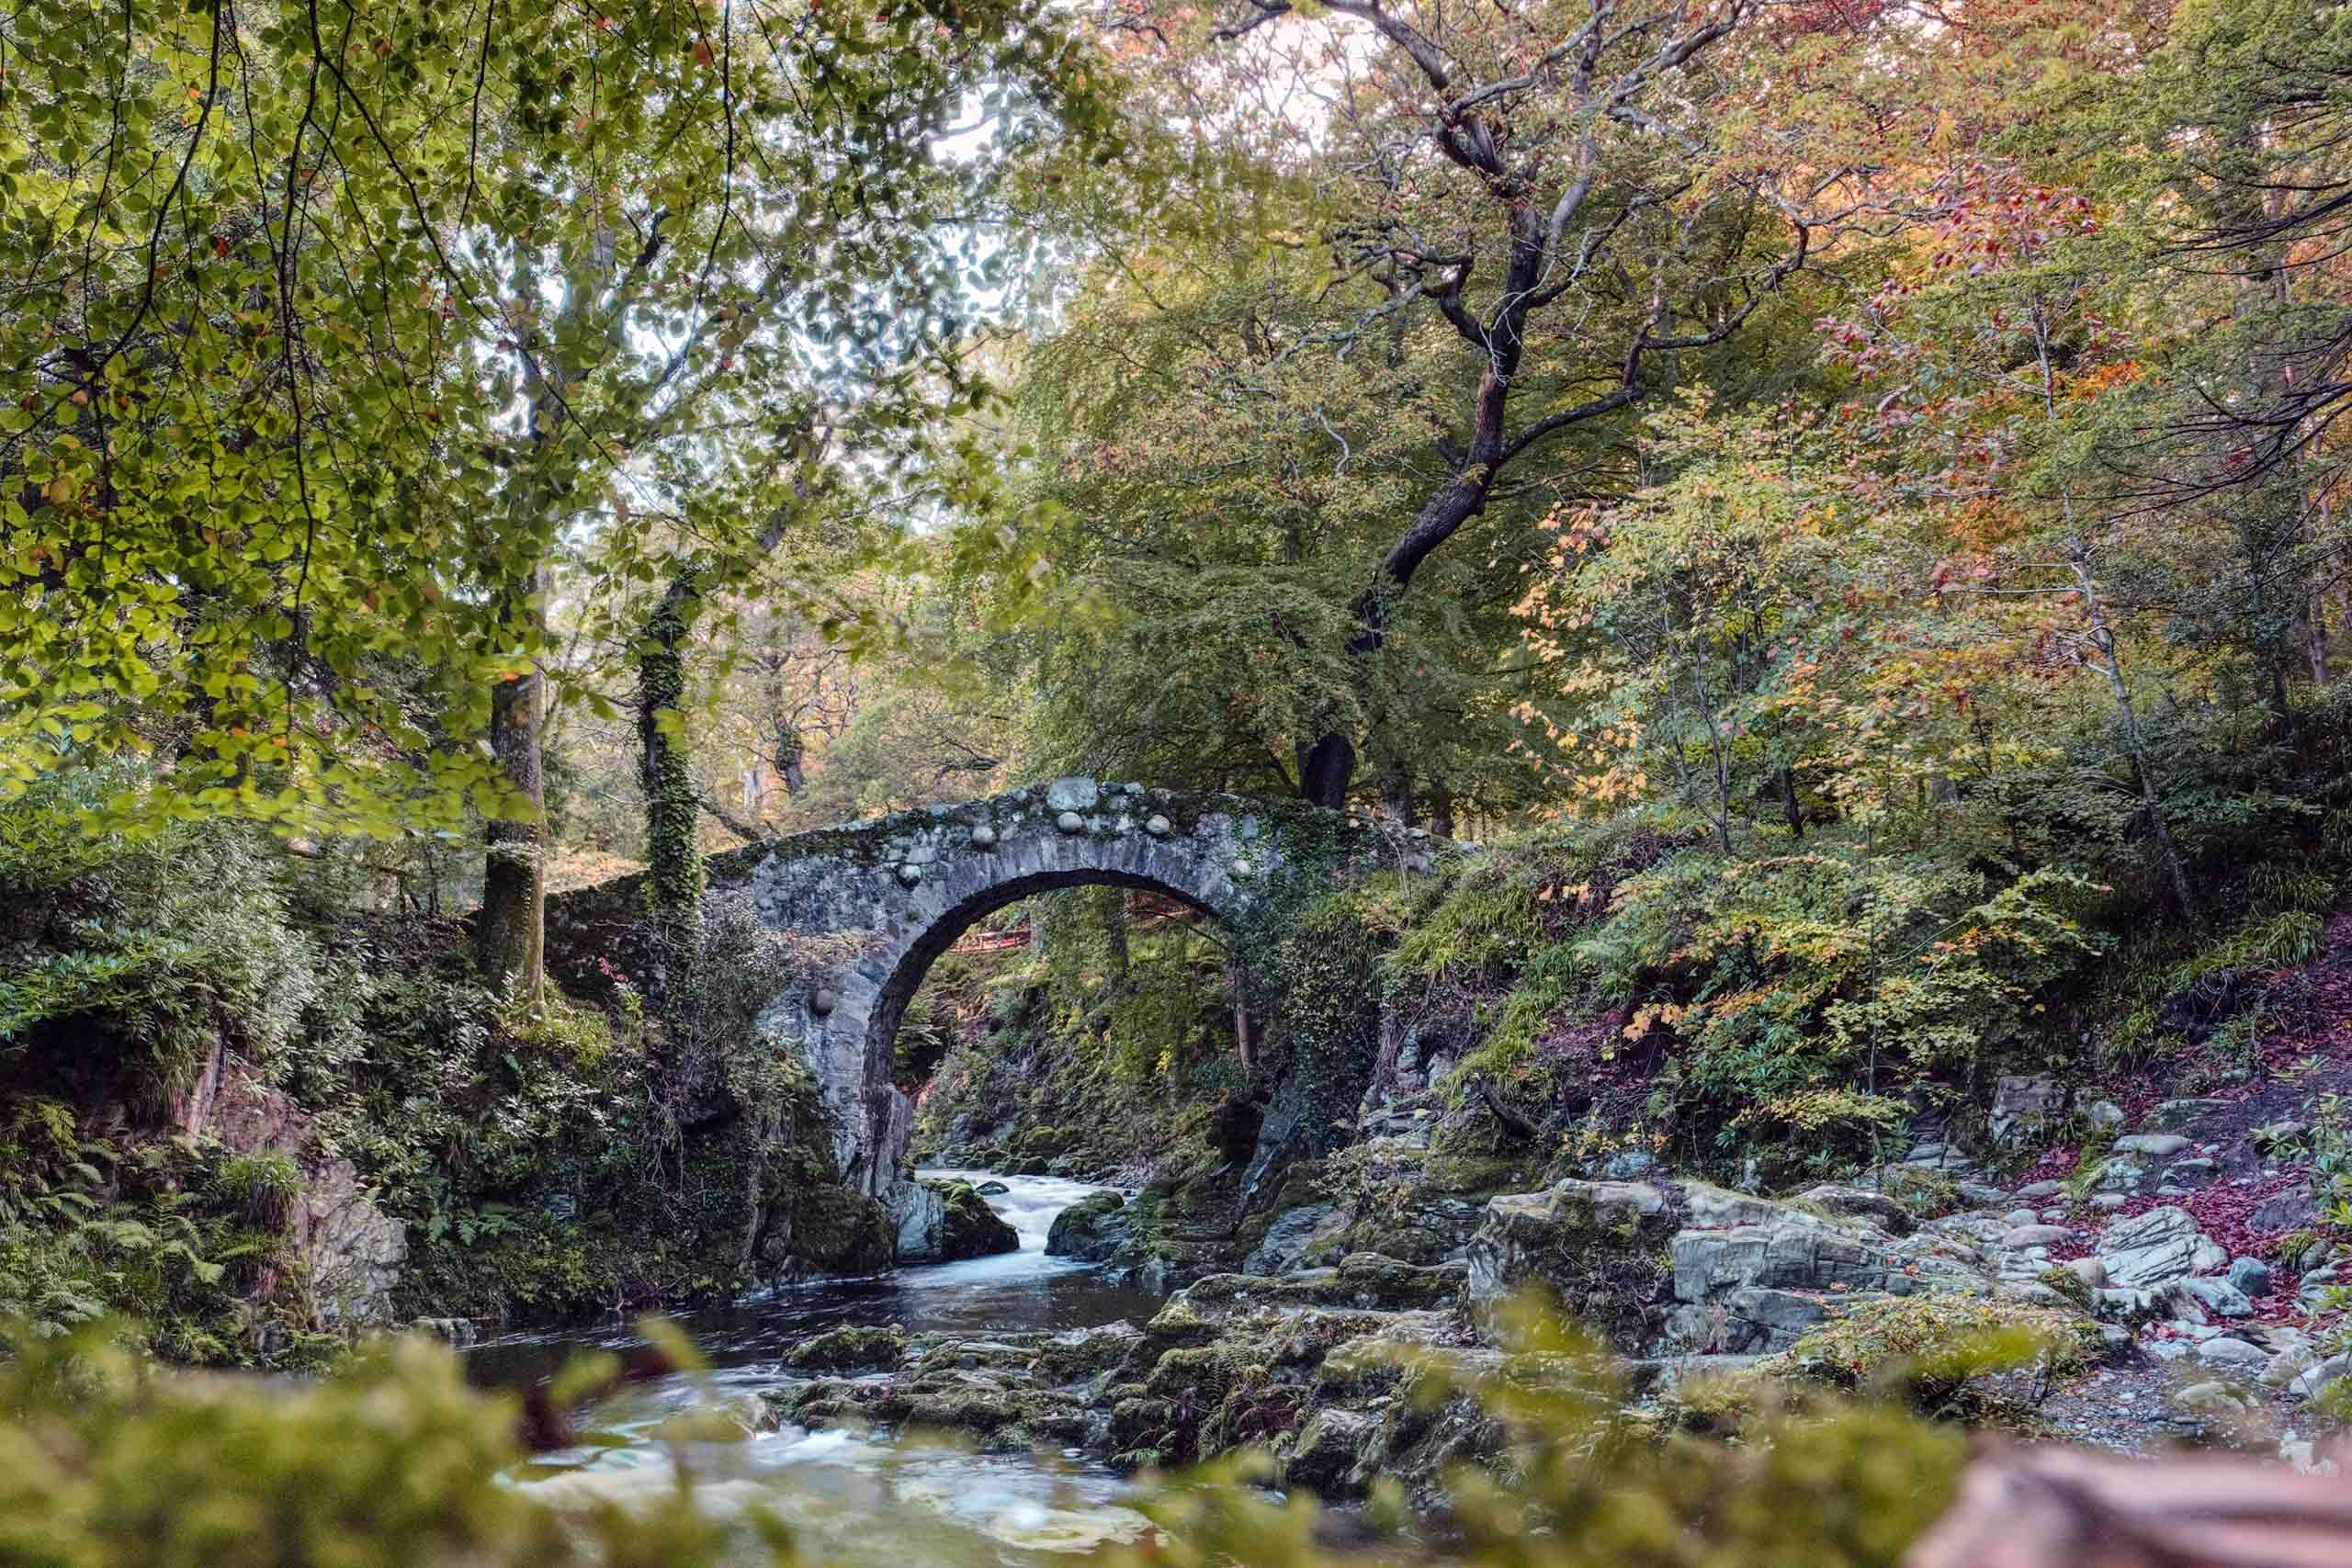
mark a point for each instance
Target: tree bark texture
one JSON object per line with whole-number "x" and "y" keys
{"x": 673, "y": 851}
{"x": 510, "y": 934}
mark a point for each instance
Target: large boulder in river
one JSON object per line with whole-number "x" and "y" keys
{"x": 1090, "y": 1230}
{"x": 943, "y": 1222}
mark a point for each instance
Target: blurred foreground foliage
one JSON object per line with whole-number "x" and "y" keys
{"x": 107, "y": 1459}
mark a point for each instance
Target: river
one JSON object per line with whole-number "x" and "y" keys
{"x": 853, "y": 1496}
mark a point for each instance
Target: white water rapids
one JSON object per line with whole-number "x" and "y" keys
{"x": 854, "y": 1497}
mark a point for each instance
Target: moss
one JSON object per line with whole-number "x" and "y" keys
{"x": 1934, "y": 1348}
{"x": 842, "y": 1348}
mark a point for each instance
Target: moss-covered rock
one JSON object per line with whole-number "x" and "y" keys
{"x": 839, "y": 1350}
{"x": 968, "y": 1228}
{"x": 1600, "y": 1247}
{"x": 1092, "y": 1230}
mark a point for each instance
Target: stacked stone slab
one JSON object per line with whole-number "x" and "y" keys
{"x": 1681, "y": 1268}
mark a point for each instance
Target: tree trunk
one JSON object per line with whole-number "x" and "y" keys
{"x": 1441, "y": 810}
{"x": 1789, "y": 803}
{"x": 673, "y": 850}
{"x": 2151, "y": 796}
{"x": 510, "y": 937}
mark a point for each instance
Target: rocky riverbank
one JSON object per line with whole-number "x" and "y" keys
{"x": 1700, "y": 1298}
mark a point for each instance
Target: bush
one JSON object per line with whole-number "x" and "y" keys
{"x": 1932, "y": 1348}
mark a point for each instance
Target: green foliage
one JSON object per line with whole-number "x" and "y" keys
{"x": 391, "y": 1460}
{"x": 1843, "y": 1486}
{"x": 1932, "y": 1348}
{"x": 271, "y": 512}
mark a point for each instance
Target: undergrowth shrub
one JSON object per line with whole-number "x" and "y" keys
{"x": 1933, "y": 1350}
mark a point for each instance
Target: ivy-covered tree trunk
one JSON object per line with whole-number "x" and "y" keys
{"x": 510, "y": 936}
{"x": 674, "y": 852}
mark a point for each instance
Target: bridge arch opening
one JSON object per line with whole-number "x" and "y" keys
{"x": 914, "y": 965}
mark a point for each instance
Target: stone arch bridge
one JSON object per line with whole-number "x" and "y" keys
{"x": 905, "y": 886}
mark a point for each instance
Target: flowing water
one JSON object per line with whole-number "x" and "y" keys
{"x": 857, "y": 1497}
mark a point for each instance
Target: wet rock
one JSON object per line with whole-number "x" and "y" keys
{"x": 967, "y": 1227}
{"x": 2251, "y": 1275}
{"x": 919, "y": 1212}
{"x": 991, "y": 1190}
{"x": 1294, "y": 1234}
{"x": 1090, "y": 1230}
{"x": 1327, "y": 1451}
{"x": 843, "y": 1349}
{"x": 1082, "y": 1353}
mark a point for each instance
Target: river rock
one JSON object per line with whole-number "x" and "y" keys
{"x": 2154, "y": 1249}
{"x": 2211, "y": 1399}
{"x": 840, "y": 1349}
{"x": 920, "y": 1211}
{"x": 2155, "y": 1145}
{"x": 2251, "y": 1275}
{"x": 1092, "y": 1230}
{"x": 957, "y": 1226}
{"x": 2232, "y": 1354}
{"x": 2318, "y": 1375}
{"x": 2289, "y": 1364}
{"x": 2020, "y": 1236}
{"x": 2218, "y": 1296}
